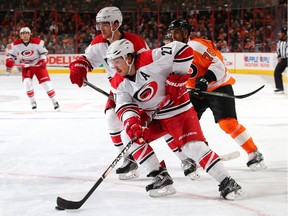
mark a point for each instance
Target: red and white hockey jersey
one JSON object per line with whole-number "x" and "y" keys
{"x": 96, "y": 51}
{"x": 29, "y": 53}
{"x": 147, "y": 88}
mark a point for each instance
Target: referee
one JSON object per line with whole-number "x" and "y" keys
{"x": 282, "y": 53}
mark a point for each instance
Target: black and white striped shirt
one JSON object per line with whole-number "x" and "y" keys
{"x": 282, "y": 49}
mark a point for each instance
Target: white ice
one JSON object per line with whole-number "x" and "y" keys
{"x": 47, "y": 154}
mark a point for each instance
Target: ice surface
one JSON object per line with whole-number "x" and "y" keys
{"x": 46, "y": 154}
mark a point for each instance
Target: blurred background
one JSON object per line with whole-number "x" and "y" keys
{"x": 68, "y": 26}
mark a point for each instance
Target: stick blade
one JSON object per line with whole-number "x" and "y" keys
{"x": 67, "y": 204}
{"x": 249, "y": 94}
{"x": 230, "y": 156}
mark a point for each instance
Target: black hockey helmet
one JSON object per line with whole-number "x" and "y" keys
{"x": 181, "y": 24}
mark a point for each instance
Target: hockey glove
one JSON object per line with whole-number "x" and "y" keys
{"x": 78, "y": 71}
{"x": 176, "y": 85}
{"x": 201, "y": 85}
{"x": 135, "y": 131}
{"x": 9, "y": 63}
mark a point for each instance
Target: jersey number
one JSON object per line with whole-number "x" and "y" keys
{"x": 166, "y": 50}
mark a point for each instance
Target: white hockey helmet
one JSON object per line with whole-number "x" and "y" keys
{"x": 25, "y": 29}
{"x": 109, "y": 14}
{"x": 119, "y": 48}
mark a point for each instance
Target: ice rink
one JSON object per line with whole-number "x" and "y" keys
{"x": 46, "y": 154}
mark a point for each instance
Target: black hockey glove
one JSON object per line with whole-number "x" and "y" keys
{"x": 202, "y": 84}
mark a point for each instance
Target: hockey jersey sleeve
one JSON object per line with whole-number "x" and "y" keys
{"x": 42, "y": 51}
{"x": 11, "y": 52}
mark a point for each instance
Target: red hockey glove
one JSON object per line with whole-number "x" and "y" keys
{"x": 41, "y": 64}
{"x": 78, "y": 71}
{"x": 9, "y": 63}
{"x": 135, "y": 130}
{"x": 176, "y": 85}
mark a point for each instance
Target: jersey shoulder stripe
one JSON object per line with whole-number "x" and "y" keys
{"x": 98, "y": 39}
{"x": 18, "y": 41}
{"x": 139, "y": 44}
{"x": 35, "y": 40}
{"x": 144, "y": 59}
{"x": 116, "y": 80}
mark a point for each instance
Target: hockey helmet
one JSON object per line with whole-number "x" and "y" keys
{"x": 181, "y": 24}
{"x": 109, "y": 14}
{"x": 119, "y": 48}
{"x": 25, "y": 29}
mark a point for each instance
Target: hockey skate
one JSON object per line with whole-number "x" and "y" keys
{"x": 190, "y": 168}
{"x": 279, "y": 91}
{"x": 128, "y": 170}
{"x": 34, "y": 106}
{"x": 56, "y": 106}
{"x": 257, "y": 163}
{"x": 161, "y": 184}
{"x": 229, "y": 189}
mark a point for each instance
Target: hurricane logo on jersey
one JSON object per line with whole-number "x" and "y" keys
{"x": 27, "y": 53}
{"x": 146, "y": 92}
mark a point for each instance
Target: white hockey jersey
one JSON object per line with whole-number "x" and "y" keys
{"x": 96, "y": 51}
{"x": 29, "y": 53}
{"x": 147, "y": 88}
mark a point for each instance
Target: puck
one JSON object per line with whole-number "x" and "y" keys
{"x": 59, "y": 208}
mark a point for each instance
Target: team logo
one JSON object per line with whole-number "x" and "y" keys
{"x": 146, "y": 92}
{"x": 27, "y": 53}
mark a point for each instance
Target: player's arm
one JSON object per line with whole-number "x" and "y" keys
{"x": 128, "y": 112}
{"x": 182, "y": 57}
{"x": 11, "y": 57}
{"x": 79, "y": 69}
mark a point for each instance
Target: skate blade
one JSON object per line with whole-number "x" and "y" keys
{"x": 130, "y": 175}
{"x": 235, "y": 195}
{"x": 165, "y": 191}
{"x": 257, "y": 166}
{"x": 193, "y": 175}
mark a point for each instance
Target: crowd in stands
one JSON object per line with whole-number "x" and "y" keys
{"x": 69, "y": 26}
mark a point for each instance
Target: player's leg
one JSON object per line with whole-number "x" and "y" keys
{"x": 224, "y": 112}
{"x": 28, "y": 85}
{"x": 213, "y": 165}
{"x": 162, "y": 183}
{"x": 188, "y": 165}
{"x": 129, "y": 168}
{"x": 44, "y": 79}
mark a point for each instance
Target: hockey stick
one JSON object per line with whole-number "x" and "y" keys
{"x": 219, "y": 94}
{"x": 98, "y": 89}
{"x": 63, "y": 204}
{"x": 229, "y": 156}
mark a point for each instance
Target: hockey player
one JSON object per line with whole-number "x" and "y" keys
{"x": 140, "y": 83}
{"x": 32, "y": 55}
{"x": 109, "y": 20}
{"x": 210, "y": 74}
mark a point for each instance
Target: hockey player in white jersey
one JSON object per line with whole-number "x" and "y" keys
{"x": 108, "y": 21}
{"x": 32, "y": 56}
{"x": 140, "y": 83}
